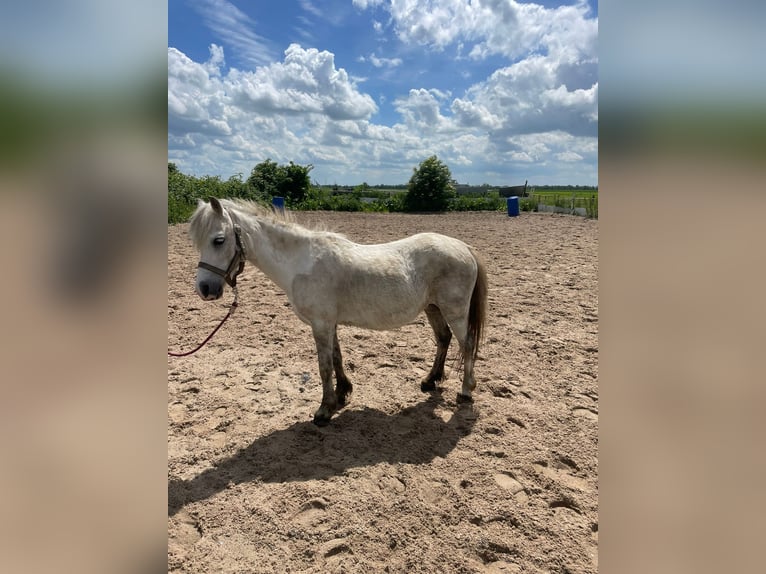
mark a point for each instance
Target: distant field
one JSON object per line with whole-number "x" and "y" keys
{"x": 566, "y": 192}
{"x": 564, "y": 198}
{"x": 374, "y": 191}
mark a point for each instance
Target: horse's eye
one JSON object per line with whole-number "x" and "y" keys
{"x": 219, "y": 240}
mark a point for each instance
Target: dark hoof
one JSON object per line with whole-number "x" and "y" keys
{"x": 428, "y": 386}
{"x": 461, "y": 398}
{"x": 321, "y": 421}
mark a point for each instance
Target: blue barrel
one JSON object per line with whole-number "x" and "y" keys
{"x": 278, "y": 203}
{"x": 513, "y": 206}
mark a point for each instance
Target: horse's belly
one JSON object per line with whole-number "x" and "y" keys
{"x": 379, "y": 317}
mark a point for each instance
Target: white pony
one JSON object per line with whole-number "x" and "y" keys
{"x": 333, "y": 281}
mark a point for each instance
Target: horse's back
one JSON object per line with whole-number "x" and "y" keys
{"x": 435, "y": 255}
{"x": 434, "y": 268}
{"x": 386, "y": 285}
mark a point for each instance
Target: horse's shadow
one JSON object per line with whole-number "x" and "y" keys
{"x": 355, "y": 438}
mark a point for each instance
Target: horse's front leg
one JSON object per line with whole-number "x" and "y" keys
{"x": 343, "y": 387}
{"x": 324, "y": 339}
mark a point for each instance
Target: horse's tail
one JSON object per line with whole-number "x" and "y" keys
{"x": 477, "y": 312}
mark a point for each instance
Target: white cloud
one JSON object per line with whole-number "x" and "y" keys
{"x": 306, "y": 81}
{"x": 381, "y": 62}
{"x": 569, "y": 156}
{"x": 195, "y": 97}
{"x": 536, "y": 114}
{"x": 520, "y": 156}
{"x": 470, "y": 114}
{"x": 282, "y": 111}
{"x": 421, "y": 109}
{"x": 216, "y": 61}
{"x": 521, "y": 121}
{"x": 528, "y": 97}
{"x": 235, "y": 28}
{"x": 504, "y": 27}
{"x": 577, "y": 98}
{"x": 310, "y": 8}
{"x": 363, "y": 4}
{"x": 551, "y": 81}
{"x": 332, "y": 13}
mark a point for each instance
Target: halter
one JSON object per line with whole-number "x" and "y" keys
{"x": 238, "y": 261}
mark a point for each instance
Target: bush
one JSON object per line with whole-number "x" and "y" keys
{"x": 527, "y": 204}
{"x": 347, "y": 203}
{"x": 430, "y": 187}
{"x": 487, "y": 203}
{"x": 396, "y": 202}
{"x": 268, "y": 180}
{"x": 289, "y": 182}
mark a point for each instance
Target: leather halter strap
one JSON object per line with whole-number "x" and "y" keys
{"x": 237, "y": 262}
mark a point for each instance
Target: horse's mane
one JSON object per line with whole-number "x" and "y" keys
{"x": 259, "y": 209}
{"x": 204, "y": 218}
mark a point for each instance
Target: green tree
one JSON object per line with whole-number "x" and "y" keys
{"x": 263, "y": 182}
{"x": 295, "y": 183}
{"x": 430, "y": 188}
{"x": 182, "y": 195}
{"x": 269, "y": 179}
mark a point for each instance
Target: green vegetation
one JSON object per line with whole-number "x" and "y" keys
{"x": 184, "y": 191}
{"x": 431, "y": 188}
{"x": 268, "y": 179}
{"x": 591, "y": 206}
{"x": 527, "y": 204}
{"x": 491, "y": 201}
{"x": 565, "y": 199}
{"x": 563, "y": 192}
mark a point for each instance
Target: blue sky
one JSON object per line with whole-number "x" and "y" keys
{"x": 364, "y": 90}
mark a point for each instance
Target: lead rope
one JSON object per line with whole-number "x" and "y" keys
{"x": 210, "y": 336}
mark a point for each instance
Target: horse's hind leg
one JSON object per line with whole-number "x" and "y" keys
{"x": 343, "y": 387}
{"x": 459, "y": 326}
{"x": 443, "y": 338}
{"x": 323, "y": 337}
{"x": 469, "y": 383}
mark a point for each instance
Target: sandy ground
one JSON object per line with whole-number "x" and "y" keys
{"x": 400, "y": 481}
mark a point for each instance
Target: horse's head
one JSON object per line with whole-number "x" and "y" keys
{"x": 222, "y": 255}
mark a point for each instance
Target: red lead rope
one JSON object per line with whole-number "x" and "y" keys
{"x": 210, "y": 336}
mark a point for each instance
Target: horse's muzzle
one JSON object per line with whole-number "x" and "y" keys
{"x": 210, "y": 291}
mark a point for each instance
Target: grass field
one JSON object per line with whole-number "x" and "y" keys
{"x": 565, "y": 193}
{"x": 565, "y": 198}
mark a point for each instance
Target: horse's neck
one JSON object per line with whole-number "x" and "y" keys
{"x": 278, "y": 250}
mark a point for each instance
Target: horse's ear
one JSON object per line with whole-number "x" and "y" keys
{"x": 216, "y": 205}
